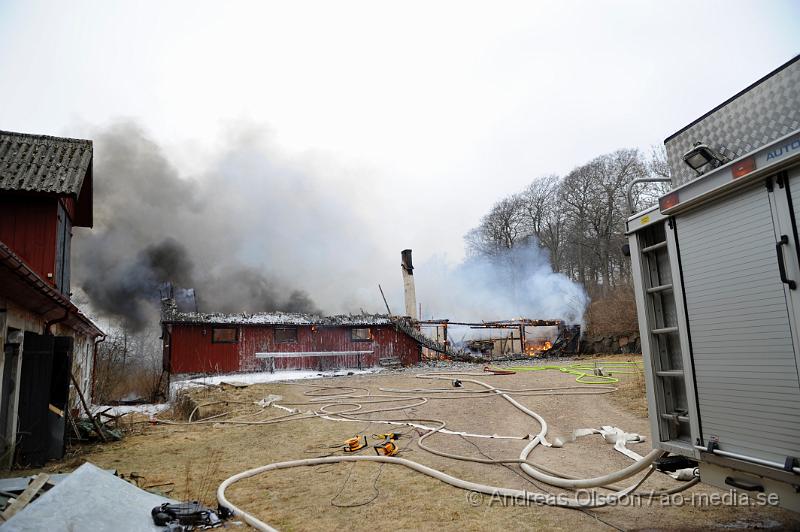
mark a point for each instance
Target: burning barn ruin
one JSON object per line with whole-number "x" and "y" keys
{"x": 504, "y": 339}
{"x": 214, "y": 343}
{"x": 488, "y": 340}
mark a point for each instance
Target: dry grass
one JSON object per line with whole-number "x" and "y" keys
{"x": 631, "y": 391}
{"x": 194, "y": 459}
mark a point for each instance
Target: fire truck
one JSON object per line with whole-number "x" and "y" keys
{"x": 716, "y": 270}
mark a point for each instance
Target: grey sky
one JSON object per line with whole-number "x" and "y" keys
{"x": 423, "y": 112}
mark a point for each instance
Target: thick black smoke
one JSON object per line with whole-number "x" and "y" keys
{"x": 153, "y": 226}
{"x": 128, "y": 290}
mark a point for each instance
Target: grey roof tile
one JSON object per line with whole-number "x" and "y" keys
{"x": 39, "y": 163}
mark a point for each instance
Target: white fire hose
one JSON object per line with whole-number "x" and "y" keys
{"x": 562, "y": 481}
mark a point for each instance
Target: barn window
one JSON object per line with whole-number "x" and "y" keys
{"x": 224, "y": 335}
{"x": 361, "y": 335}
{"x": 286, "y": 335}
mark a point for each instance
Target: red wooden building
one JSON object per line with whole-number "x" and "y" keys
{"x": 45, "y": 191}
{"x": 223, "y": 343}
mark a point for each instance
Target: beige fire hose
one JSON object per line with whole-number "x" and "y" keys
{"x": 542, "y": 498}
{"x": 521, "y": 495}
{"x": 622, "y": 474}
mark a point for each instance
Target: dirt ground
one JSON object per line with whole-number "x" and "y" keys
{"x": 189, "y": 461}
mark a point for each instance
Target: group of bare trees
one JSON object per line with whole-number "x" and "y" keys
{"x": 579, "y": 218}
{"x": 128, "y": 367}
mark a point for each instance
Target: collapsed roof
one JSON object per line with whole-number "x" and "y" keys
{"x": 170, "y": 314}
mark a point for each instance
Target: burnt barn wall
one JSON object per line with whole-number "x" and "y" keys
{"x": 192, "y": 351}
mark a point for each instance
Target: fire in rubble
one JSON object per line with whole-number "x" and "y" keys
{"x": 537, "y": 346}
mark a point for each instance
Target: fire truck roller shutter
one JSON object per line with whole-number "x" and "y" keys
{"x": 748, "y": 391}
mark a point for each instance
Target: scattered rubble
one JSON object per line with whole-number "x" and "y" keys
{"x": 87, "y": 499}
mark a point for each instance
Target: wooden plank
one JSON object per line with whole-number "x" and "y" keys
{"x": 74, "y": 426}
{"x": 97, "y": 425}
{"x": 299, "y": 354}
{"x": 29, "y": 493}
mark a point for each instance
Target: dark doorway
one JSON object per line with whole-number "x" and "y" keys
{"x": 34, "y": 398}
{"x": 43, "y": 398}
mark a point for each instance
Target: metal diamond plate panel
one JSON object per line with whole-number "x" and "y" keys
{"x": 760, "y": 115}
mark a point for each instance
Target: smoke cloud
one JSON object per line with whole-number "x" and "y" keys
{"x": 256, "y": 230}
{"x": 207, "y": 232}
{"x": 515, "y": 283}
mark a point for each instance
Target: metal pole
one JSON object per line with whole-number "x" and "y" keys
{"x": 384, "y": 300}
{"x": 642, "y": 180}
{"x": 751, "y": 459}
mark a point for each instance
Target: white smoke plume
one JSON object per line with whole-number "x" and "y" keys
{"x": 515, "y": 283}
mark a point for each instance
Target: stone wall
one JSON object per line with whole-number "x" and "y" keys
{"x": 612, "y": 344}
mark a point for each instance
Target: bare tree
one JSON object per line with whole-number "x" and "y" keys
{"x": 502, "y": 228}
{"x": 657, "y": 164}
{"x": 128, "y": 366}
{"x": 543, "y": 216}
{"x": 579, "y": 219}
{"x": 536, "y": 202}
{"x": 577, "y": 194}
{"x": 614, "y": 172}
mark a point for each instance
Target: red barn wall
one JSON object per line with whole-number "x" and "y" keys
{"x": 191, "y": 351}
{"x": 28, "y": 226}
{"x": 396, "y": 343}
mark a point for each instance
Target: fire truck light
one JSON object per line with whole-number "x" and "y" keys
{"x": 701, "y": 156}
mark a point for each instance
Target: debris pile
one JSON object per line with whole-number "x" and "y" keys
{"x": 90, "y": 498}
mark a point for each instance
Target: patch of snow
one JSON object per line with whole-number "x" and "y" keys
{"x": 150, "y": 409}
{"x": 262, "y": 377}
{"x": 263, "y": 318}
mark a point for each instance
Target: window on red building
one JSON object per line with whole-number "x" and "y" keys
{"x": 361, "y": 335}
{"x": 224, "y": 335}
{"x": 286, "y": 335}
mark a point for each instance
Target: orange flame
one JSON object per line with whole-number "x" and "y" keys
{"x": 537, "y": 346}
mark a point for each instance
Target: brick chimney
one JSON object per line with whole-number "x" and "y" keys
{"x": 408, "y": 284}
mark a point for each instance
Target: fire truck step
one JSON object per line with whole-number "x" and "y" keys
{"x": 654, "y": 247}
{"x": 665, "y": 330}
{"x": 670, "y": 373}
{"x": 661, "y": 288}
